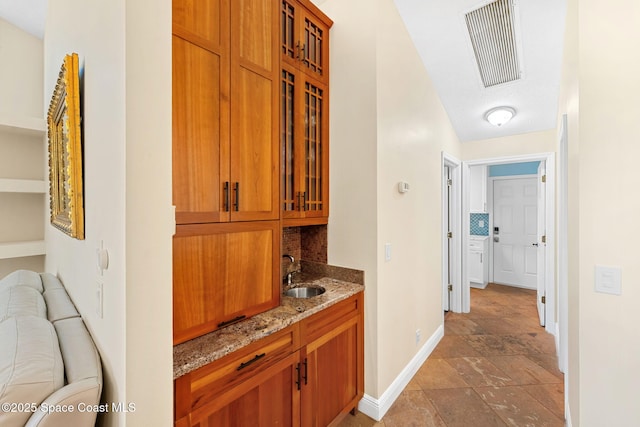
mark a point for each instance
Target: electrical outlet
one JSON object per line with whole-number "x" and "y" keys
{"x": 99, "y": 299}
{"x": 418, "y": 336}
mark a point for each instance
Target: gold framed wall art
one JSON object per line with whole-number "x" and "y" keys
{"x": 65, "y": 151}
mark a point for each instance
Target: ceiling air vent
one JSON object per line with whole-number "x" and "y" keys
{"x": 493, "y": 37}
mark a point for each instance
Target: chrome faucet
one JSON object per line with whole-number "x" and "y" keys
{"x": 289, "y": 276}
{"x": 290, "y": 257}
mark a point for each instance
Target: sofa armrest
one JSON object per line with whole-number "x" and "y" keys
{"x": 76, "y": 404}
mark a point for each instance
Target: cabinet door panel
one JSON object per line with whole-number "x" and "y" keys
{"x": 200, "y": 138}
{"x": 315, "y": 150}
{"x": 332, "y": 365}
{"x": 254, "y": 153}
{"x": 202, "y": 20}
{"x": 222, "y": 272}
{"x": 268, "y": 399}
{"x": 304, "y": 38}
{"x": 255, "y": 163}
{"x": 255, "y": 23}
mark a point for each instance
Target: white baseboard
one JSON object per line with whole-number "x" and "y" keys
{"x": 376, "y": 408}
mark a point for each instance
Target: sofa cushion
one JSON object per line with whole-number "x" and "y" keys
{"x": 81, "y": 359}
{"x": 59, "y": 305}
{"x": 30, "y": 364}
{"x": 49, "y": 281}
{"x": 22, "y": 277}
{"x": 21, "y": 301}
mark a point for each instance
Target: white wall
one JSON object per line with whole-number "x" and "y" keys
{"x": 608, "y": 149}
{"x": 387, "y": 125}
{"x": 352, "y": 232}
{"x": 516, "y": 145}
{"x": 125, "y": 57}
{"x": 21, "y": 156}
{"x": 569, "y": 104}
{"x": 21, "y": 73}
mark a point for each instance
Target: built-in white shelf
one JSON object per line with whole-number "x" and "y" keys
{"x": 22, "y": 125}
{"x": 22, "y": 186}
{"x": 21, "y": 249}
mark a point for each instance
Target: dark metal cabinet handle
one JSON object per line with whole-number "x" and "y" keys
{"x": 254, "y": 360}
{"x": 229, "y": 322}
{"x": 236, "y": 204}
{"x": 227, "y": 201}
{"x": 305, "y": 370}
{"x": 298, "y": 375}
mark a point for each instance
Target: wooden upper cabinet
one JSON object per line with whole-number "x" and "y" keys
{"x": 223, "y": 273}
{"x": 304, "y": 120}
{"x": 199, "y": 137}
{"x": 304, "y": 31}
{"x": 254, "y": 113}
{"x": 225, "y": 111}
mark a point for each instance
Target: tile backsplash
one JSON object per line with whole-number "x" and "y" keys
{"x": 479, "y": 225}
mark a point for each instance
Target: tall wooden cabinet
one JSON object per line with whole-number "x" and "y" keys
{"x": 226, "y": 185}
{"x": 304, "y": 121}
{"x": 225, "y": 111}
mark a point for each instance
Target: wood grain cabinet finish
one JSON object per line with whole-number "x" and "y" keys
{"x": 251, "y": 384}
{"x": 309, "y": 374}
{"x": 304, "y": 121}
{"x": 333, "y": 360}
{"x": 223, "y": 273}
{"x": 304, "y": 36}
{"x": 226, "y": 169}
{"x": 225, "y": 111}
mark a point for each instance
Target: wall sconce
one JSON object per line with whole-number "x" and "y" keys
{"x": 500, "y": 115}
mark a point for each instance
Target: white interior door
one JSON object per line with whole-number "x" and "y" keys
{"x": 515, "y": 210}
{"x": 541, "y": 244}
{"x": 447, "y": 223}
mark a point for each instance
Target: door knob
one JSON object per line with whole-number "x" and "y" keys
{"x": 534, "y": 244}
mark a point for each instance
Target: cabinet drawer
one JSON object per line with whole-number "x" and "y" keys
{"x": 331, "y": 318}
{"x": 205, "y": 384}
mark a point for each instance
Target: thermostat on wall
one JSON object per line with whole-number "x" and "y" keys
{"x": 403, "y": 187}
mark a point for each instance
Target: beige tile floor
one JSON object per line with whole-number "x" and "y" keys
{"x": 495, "y": 366}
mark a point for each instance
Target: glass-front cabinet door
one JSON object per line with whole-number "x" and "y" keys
{"x": 304, "y": 121}
{"x": 304, "y": 143}
{"x": 305, "y": 38}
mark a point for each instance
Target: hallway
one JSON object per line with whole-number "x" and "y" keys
{"x": 495, "y": 366}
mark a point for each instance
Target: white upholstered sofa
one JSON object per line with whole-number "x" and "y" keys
{"x": 50, "y": 370}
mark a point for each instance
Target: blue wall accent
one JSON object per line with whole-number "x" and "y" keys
{"x": 525, "y": 168}
{"x": 476, "y": 230}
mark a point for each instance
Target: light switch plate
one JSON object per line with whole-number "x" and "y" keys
{"x": 99, "y": 299}
{"x": 608, "y": 280}
{"x": 387, "y": 252}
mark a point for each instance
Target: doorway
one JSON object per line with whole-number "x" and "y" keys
{"x": 545, "y": 282}
{"x": 451, "y": 233}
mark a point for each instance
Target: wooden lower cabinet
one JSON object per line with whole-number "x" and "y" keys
{"x": 333, "y": 358}
{"x": 309, "y": 374}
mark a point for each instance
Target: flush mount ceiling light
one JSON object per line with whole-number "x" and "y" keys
{"x": 500, "y": 115}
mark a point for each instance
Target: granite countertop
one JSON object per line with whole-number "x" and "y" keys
{"x": 200, "y": 351}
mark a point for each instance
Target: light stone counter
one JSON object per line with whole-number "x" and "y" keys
{"x": 200, "y": 351}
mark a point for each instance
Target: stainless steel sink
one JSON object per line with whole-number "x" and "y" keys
{"x": 305, "y": 291}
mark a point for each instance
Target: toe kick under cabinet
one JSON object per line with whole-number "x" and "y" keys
{"x": 308, "y": 374}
